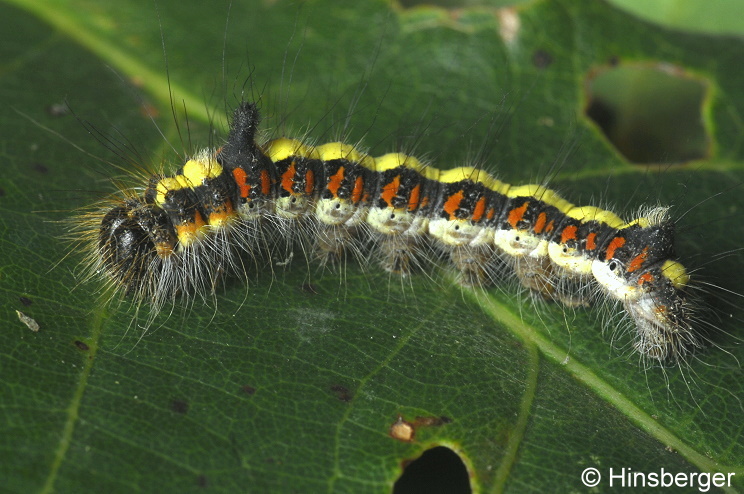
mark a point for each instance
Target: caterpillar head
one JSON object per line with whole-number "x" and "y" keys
{"x": 662, "y": 314}
{"x": 132, "y": 238}
{"x": 638, "y": 270}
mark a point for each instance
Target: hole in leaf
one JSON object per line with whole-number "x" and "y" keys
{"x": 650, "y": 114}
{"x": 438, "y": 470}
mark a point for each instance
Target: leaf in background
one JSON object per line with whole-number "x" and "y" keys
{"x": 293, "y": 382}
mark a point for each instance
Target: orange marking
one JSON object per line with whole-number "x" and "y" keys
{"x": 185, "y": 230}
{"x": 452, "y": 203}
{"x": 240, "y": 178}
{"x": 480, "y": 208}
{"x": 190, "y": 228}
{"x": 550, "y": 227}
{"x": 218, "y": 217}
{"x": 645, "y": 278}
{"x": 199, "y": 219}
{"x": 490, "y": 214}
{"x": 265, "y": 183}
{"x": 638, "y": 260}
{"x": 163, "y": 249}
{"x": 615, "y": 244}
{"x": 288, "y": 177}
{"x": 390, "y": 190}
{"x": 569, "y": 233}
{"x": 309, "y": 182}
{"x": 591, "y": 241}
{"x": 334, "y": 182}
{"x": 516, "y": 214}
{"x": 542, "y": 218}
{"x": 424, "y": 202}
{"x": 413, "y": 200}
{"x": 358, "y": 192}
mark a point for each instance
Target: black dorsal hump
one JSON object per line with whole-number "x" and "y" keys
{"x": 241, "y": 150}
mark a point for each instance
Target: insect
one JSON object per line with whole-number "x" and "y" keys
{"x": 179, "y": 234}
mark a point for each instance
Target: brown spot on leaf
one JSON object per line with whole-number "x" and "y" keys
{"x": 431, "y": 421}
{"x": 201, "y": 481}
{"x": 180, "y": 406}
{"x": 149, "y": 110}
{"x": 82, "y": 345}
{"x": 342, "y": 393}
{"x": 39, "y": 168}
{"x": 26, "y": 301}
{"x": 249, "y": 390}
{"x": 542, "y": 59}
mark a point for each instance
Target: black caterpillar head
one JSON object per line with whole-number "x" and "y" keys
{"x": 132, "y": 240}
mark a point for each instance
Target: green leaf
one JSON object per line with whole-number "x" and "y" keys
{"x": 292, "y": 382}
{"x": 718, "y": 17}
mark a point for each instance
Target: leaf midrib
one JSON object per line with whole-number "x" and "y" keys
{"x": 158, "y": 85}
{"x": 531, "y": 336}
{"x": 77, "y": 397}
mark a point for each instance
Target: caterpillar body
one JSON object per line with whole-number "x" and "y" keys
{"x": 178, "y": 235}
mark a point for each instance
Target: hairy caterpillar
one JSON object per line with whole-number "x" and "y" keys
{"x": 178, "y": 235}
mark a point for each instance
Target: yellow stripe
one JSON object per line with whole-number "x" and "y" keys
{"x": 591, "y": 213}
{"x": 548, "y": 196}
{"x": 283, "y": 148}
{"x": 341, "y": 151}
{"x": 477, "y": 175}
{"x": 195, "y": 171}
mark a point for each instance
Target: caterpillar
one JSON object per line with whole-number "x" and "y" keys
{"x": 180, "y": 234}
